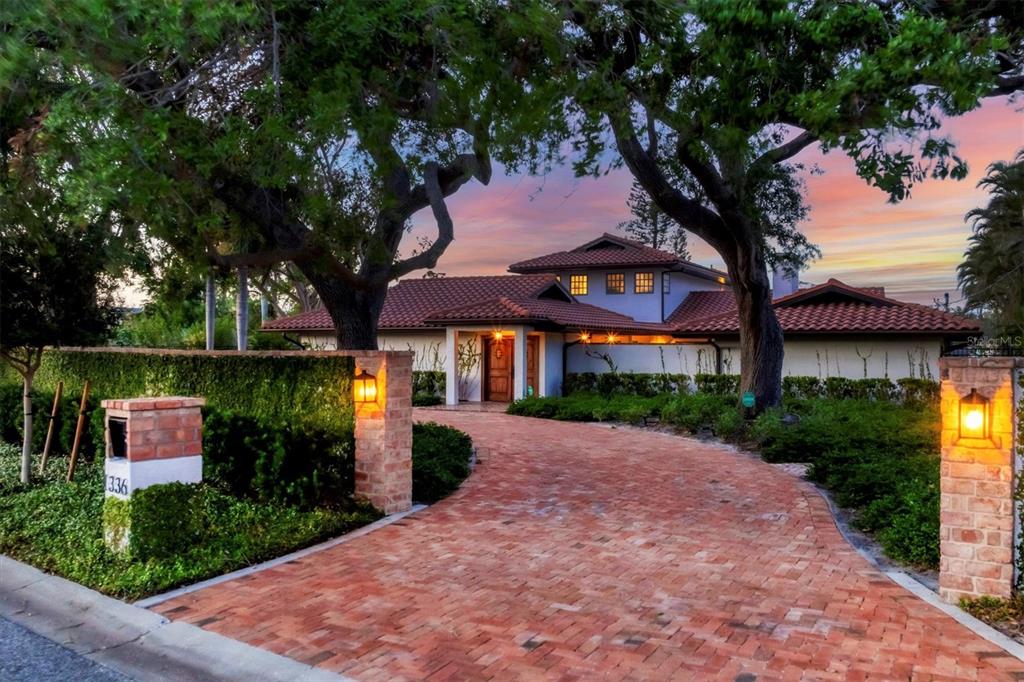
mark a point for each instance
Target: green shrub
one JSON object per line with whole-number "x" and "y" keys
{"x": 918, "y": 390}
{"x": 426, "y": 399}
{"x": 440, "y": 460}
{"x": 624, "y": 383}
{"x": 58, "y": 527}
{"x": 299, "y": 388}
{"x": 588, "y": 407}
{"x": 717, "y": 384}
{"x": 802, "y": 387}
{"x": 11, "y": 419}
{"x": 699, "y": 410}
{"x": 298, "y": 465}
{"x": 162, "y": 520}
{"x": 428, "y": 383}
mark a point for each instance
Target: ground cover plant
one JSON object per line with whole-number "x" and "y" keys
{"x": 58, "y": 527}
{"x": 873, "y": 444}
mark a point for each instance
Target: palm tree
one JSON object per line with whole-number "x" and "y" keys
{"x": 992, "y": 274}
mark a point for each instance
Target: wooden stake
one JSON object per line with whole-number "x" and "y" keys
{"x": 53, "y": 423}
{"x": 78, "y": 432}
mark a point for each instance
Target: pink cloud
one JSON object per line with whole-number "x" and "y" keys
{"x": 912, "y": 248}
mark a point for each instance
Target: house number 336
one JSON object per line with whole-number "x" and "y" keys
{"x": 117, "y": 485}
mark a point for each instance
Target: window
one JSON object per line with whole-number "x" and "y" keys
{"x": 578, "y": 285}
{"x": 615, "y": 283}
{"x": 643, "y": 283}
{"x": 666, "y": 283}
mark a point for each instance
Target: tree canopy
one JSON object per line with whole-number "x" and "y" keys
{"x": 709, "y": 103}
{"x": 250, "y": 134}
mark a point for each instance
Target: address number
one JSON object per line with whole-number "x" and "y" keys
{"x": 117, "y": 485}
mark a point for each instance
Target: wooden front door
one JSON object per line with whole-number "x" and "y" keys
{"x": 499, "y": 369}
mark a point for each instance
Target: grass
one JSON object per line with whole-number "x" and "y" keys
{"x": 57, "y": 527}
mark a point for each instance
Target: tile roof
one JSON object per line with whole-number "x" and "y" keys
{"x": 832, "y": 307}
{"x": 568, "y": 314}
{"x": 700, "y": 304}
{"x": 411, "y": 301}
{"x": 610, "y": 250}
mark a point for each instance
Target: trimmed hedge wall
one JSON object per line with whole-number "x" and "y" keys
{"x": 295, "y": 388}
{"x": 278, "y": 427}
{"x": 648, "y": 385}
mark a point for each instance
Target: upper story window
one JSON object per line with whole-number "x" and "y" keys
{"x": 666, "y": 283}
{"x": 615, "y": 283}
{"x": 578, "y": 285}
{"x": 643, "y": 283}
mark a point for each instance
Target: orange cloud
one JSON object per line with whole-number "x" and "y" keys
{"x": 912, "y": 247}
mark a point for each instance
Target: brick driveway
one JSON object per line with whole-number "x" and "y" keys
{"x": 579, "y": 551}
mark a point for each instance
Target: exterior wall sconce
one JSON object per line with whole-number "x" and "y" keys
{"x": 612, "y": 338}
{"x": 974, "y": 418}
{"x": 584, "y": 337}
{"x": 364, "y": 387}
{"x": 498, "y": 335}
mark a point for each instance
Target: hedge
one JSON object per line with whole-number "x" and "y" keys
{"x": 799, "y": 387}
{"x": 296, "y": 388}
{"x": 440, "y": 460}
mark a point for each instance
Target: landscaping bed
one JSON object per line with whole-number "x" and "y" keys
{"x": 878, "y": 457}
{"x": 235, "y": 518}
{"x": 58, "y": 527}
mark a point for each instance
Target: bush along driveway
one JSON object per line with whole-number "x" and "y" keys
{"x": 578, "y": 551}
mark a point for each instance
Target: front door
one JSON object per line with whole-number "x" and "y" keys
{"x": 499, "y": 369}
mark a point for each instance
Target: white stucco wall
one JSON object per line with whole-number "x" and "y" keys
{"x": 896, "y": 358}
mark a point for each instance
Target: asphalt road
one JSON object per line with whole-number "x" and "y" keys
{"x": 27, "y": 657}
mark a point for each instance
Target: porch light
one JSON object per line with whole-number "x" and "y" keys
{"x": 974, "y": 415}
{"x": 498, "y": 335}
{"x": 364, "y": 387}
{"x": 612, "y": 337}
{"x": 721, "y": 280}
{"x": 585, "y": 337}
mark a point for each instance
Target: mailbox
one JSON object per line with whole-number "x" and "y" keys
{"x": 117, "y": 427}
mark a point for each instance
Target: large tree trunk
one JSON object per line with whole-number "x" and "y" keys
{"x": 26, "y": 442}
{"x": 761, "y": 341}
{"x": 354, "y": 312}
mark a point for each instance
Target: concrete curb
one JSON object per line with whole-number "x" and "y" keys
{"x": 135, "y": 642}
{"x": 149, "y": 602}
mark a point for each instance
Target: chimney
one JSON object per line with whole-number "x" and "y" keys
{"x": 785, "y": 281}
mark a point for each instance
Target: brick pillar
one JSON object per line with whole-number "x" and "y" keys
{"x": 384, "y": 433}
{"x": 977, "y": 517}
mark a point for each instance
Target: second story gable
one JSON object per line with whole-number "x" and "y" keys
{"x": 625, "y": 276}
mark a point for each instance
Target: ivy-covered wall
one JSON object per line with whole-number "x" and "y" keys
{"x": 299, "y": 388}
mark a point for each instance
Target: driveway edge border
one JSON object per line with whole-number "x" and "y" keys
{"x": 130, "y": 640}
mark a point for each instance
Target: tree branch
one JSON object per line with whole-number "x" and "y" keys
{"x": 787, "y": 150}
{"x": 445, "y": 228}
{"x": 689, "y": 213}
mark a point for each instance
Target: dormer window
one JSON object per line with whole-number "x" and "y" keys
{"x": 615, "y": 283}
{"x": 578, "y": 285}
{"x": 643, "y": 283}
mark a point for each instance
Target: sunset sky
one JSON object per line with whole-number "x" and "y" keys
{"x": 911, "y": 248}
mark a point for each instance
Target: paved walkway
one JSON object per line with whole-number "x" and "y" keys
{"x": 579, "y": 552}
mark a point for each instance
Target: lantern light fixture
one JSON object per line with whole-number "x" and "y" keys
{"x": 585, "y": 337}
{"x": 498, "y": 335}
{"x": 974, "y": 416}
{"x": 364, "y": 387}
{"x": 612, "y": 337}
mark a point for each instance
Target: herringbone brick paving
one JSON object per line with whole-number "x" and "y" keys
{"x": 579, "y": 551}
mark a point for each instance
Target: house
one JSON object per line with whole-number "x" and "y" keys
{"x": 616, "y": 304}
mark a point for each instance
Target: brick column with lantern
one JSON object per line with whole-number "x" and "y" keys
{"x": 978, "y": 516}
{"x": 382, "y": 390}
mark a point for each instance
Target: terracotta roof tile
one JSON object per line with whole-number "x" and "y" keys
{"x": 568, "y": 314}
{"x": 832, "y": 307}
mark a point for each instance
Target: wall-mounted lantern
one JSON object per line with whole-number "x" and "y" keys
{"x": 364, "y": 387}
{"x": 498, "y": 335}
{"x": 584, "y": 337}
{"x": 612, "y": 337}
{"x": 974, "y": 415}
